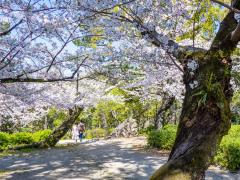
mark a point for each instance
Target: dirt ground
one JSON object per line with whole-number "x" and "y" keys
{"x": 123, "y": 158}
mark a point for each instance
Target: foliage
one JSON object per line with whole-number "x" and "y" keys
{"x": 41, "y": 135}
{"x": 109, "y": 114}
{"x": 163, "y": 138}
{"x": 98, "y": 133}
{"x": 90, "y": 41}
{"x": 56, "y": 116}
{"x": 19, "y": 138}
{"x": 228, "y": 154}
{"x": 4, "y": 139}
{"x": 205, "y": 20}
{"x": 148, "y": 130}
{"x": 236, "y": 108}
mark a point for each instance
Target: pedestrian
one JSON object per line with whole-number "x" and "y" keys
{"x": 75, "y": 132}
{"x": 81, "y": 128}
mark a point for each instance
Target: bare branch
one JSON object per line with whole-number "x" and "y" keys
{"x": 61, "y": 49}
{"x": 41, "y": 80}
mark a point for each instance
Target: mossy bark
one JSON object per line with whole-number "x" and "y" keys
{"x": 205, "y": 118}
{"x": 206, "y": 114}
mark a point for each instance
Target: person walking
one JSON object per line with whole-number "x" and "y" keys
{"x": 81, "y": 128}
{"x": 75, "y": 132}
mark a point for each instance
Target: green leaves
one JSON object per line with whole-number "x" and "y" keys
{"x": 163, "y": 138}
{"x": 204, "y": 22}
{"x": 116, "y": 9}
{"x": 91, "y": 39}
{"x": 4, "y": 26}
{"x": 228, "y": 154}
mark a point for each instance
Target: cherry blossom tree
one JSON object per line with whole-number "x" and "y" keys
{"x": 36, "y": 36}
{"x": 206, "y": 113}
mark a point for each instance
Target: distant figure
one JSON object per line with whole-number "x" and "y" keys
{"x": 81, "y": 128}
{"x": 75, "y": 132}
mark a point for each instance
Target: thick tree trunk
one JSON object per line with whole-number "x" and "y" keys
{"x": 206, "y": 115}
{"x": 204, "y": 120}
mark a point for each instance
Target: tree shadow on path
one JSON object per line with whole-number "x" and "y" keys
{"x": 94, "y": 160}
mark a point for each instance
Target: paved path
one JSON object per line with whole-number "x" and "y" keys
{"x": 111, "y": 159}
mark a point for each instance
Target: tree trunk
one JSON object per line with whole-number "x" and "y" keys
{"x": 159, "y": 115}
{"x": 58, "y": 133}
{"x": 206, "y": 115}
{"x": 104, "y": 120}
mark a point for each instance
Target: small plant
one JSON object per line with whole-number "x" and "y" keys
{"x": 163, "y": 138}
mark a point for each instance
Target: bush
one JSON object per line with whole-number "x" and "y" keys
{"x": 163, "y": 138}
{"x": 4, "y": 139}
{"x": 147, "y": 130}
{"x": 98, "y": 133}
{"x": 21, "y": 138}
{"x": 41, "y": 135}
{"x": 228, "y": 154}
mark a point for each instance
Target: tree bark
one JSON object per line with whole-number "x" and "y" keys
{"x": 57, "y": 134}
{"x": 205, "y": 117}
{"x": 164, "y": 107}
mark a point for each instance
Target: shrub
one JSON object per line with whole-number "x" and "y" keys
{"x": 228, "y": 154}
{"x": 146, "y": 131}
{"x": 21, "y": 138}
{"x": 97, "y": 133}
{"x": 4, "y": 139}
{"x": 41, "y": 135}
{"x": 163, "y": 138}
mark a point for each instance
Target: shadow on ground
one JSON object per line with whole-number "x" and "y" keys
{"x": 93, "y": 160}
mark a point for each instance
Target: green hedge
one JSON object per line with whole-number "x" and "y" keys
{"x": 228, "y": 154}
{"x": 21, "y": 138}
{"x": 41, "y": 135}
{"x": 4, "y": 139}
{"x": 163, "y": 138}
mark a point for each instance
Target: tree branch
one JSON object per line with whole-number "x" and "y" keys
{"x": 41, "y": 80}
{"x": 227, "y": 6}
{"x": 228, "y": 35}
{"x": 9, "y": 30}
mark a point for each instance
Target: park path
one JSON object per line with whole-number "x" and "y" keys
{"x": 104, "y": 159}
